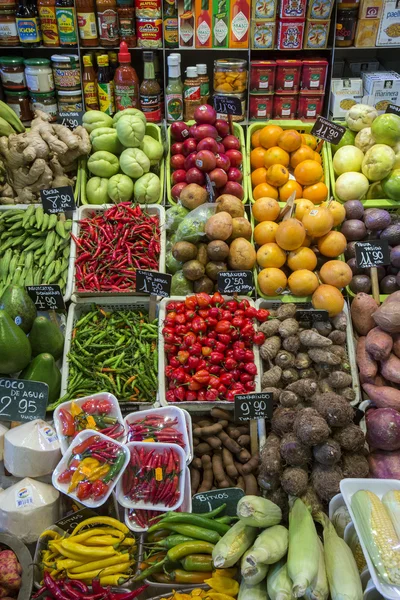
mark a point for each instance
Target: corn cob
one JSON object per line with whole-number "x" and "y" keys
{"x": 279, "y": 586}
{"x": 391, "y": 501}
{"x": 252, "y": 574}
{"x": 270, "y": 546}
{"x": 233, "y": 545}
{"x": 319, "y": 589}
{"x": 303, "y": 555}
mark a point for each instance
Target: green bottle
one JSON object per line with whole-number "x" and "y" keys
{"x": 174, "y": 92}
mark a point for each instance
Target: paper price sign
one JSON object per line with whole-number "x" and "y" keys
{"x": 206, "y": 502}
{"x": 227, "y": 106}
{"x": 232, "y": 282}
{"x": 22, "y": 400}
{"x": 253, "y": 406}
{"x": 58, "y": 200}
{"x": 151, "y": 282}
{"x": 311, "y": 314}
{"x": 328, "y": 131}
{"x": 374, "y": 253}
{"x": 70, "y": 119}
{"x": 46, "y": 297}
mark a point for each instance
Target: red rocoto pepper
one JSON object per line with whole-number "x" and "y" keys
{"x": 190, "y": 302}
{"x": 67, "y": 422}
{"x": 84, "y": 490}
{"x": 262, "y": 315}
{"x": 203, "y": 299}
{"x": 99, "y": 489}
{"x": 259, "y": 338}
{"x": 223, "y": 326}
{"x": 202, "y": 377}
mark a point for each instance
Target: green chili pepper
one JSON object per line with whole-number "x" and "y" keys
{"x": 200, "y": 521}
{"x": 173, "y": 540}
{"x": 197, "y": 562}
{"x": 187, "y": 548}
{"x": 115, "y": 469}
{"x": 198, "y": 533}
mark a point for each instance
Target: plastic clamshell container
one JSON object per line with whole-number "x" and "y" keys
{"x": 63, "y": 464}
{"x": 349, "y": 487}
{"x": 115, "y": 412}
{"x": 158, "y": 447}
{"x": 186, "y": 506}
{"x": 167, "y": 412}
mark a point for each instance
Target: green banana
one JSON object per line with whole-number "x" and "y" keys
{"x": 10, "y": 116}
{"x": 5, "y": 128}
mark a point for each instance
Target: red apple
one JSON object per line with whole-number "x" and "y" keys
{"x": 234, "y": 174}
{"x": 219, "y": 177}
{"x": 221, "y": 148}
{"x": 205, "y": 114}
{"x": 234, "y": 188}
{"x": 177, "y": 188}
{"x": 208, "y": 143}
{"x": 235, "y": 157}
{"x": 190, "y": 161}
{"x": 231, "y": 142}
{"x": 177, "y": 148}
{"x": 223, "y": 161}
{"x": 189, "y": 145}
{"x": 179, "y": 131}
{"x": 192, "y": 129}
{"x": 205, "y": 160}
{"x": 203, "y": 131}
{"x": 177, "y": 161}
{"x": 178, "y": 176}
{"x": 222, "y": 127}
{"x": 195, "y": 176}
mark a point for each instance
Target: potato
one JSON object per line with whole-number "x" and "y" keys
{"x": 204, "y": 284}
{"x": 231, "y": 205}
{"x": 214, "y": 267}
{"x": 241, "y": 228}
{"x": 193, "y": 269}
{"x": 217, "y": 250}
{"x": 219, "y": 226}
{"x": 242, "y": 255}
{"x": 192, "y": 196}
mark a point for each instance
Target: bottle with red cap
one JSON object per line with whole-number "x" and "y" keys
{"x": 126, "y": 81}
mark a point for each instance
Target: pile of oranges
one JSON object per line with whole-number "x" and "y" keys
{"x": 297, "y": 255}
{"x": 283, "y": 162}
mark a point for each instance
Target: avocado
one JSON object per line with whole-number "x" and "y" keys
{"x": 15, "y": 350}
{"x": 43, "y": 368}
{"x": 16, "y": 301}
{"x": 45, "y": 336}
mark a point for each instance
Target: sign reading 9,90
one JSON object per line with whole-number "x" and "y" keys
{"x": 253, "y": 406}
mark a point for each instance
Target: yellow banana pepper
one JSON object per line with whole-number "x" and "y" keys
{"x": 67, "y": 553}
{"x": 81, "y": 537}
{"x": 223, "y": 585}
{"x": 102, "y": 540}
{"x": 102, "y": 521}
{"x": 231, "y": 572}
{"x": 86, "y": 551}
{"x": 51, "y": 534}
{"x": 68, "y": 563}
{"x": 90, "y": 575}
{"x": 99, "y": 472}
{"x": 102, "y": 564}
{"x": 84, "y": 470}
{"x": 117, "y": 579}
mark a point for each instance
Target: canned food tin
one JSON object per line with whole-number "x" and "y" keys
{"x": 293, "y": 10}
{"x": 317, "y": 33}
{"x": 148, "y": 9}
{"x": 319, "y": 9}
{"x": 313, "y": 75}
{"x": 263, "y": 34}
{"x": 285, "y": 106}
{"x": 237, "y": 118}
{"x": 287, "y": 75}
{"x": 290, "y": 34}
{"x": 260, "y": 106}
{"x": 262, "y": 76}
{"x": 149, "y": 33}
{"x": 263, "y": 9}
{"x": 309, "y": 105}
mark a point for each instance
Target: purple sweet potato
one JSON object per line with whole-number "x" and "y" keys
{"x": 390, "y": 368}
{"x": 396, "y": 344}
{"x": 387, "y": 317}
{"x": 362, "y": 309}
{"x": 367, "y": 365}
{"x": 383, "y": 397}
{"x": 378, "y": 344}
{"x": 378, "y": 380}
{"x": 384, "y": 465}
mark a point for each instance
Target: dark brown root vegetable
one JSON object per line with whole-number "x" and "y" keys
{"x": 339, "y": 351}
{"x": 351, "y": 438}
{"x": 229, "y": 465}
{"x": 276, "y": 392}
{"x": 269, "y": 483}
{"x": 302, "y": 361}
{"x": 270, "y": 348}
{"x": 338, "y": 337}
{"x": 271, "y": 464}
{"x": 319, "y": 355}
{"x": 336, "y": 411}
{"x": 251, "y": 465}
{"x": 195, "y": 478}
{"x": 288, "y": 327}
{"x": 312, "y": 501}
{"x": 286, "y": 311}
{"x": 326, "y": 481}
{"x": 304, "y": 387}
{"x": 291, "y": 343}
{"x": 244, "y": 440}
{"x": 218, "y": 470}
{"x": 219, "y": 413}
{"x": 355, "y": 465}
{"x": 282, "y": 420}
{"x": 288, "y": 399}
{"x": 328, "y": 453}
{"x": 251, "y": 486}
{"x": 202, "y": 448}
{"x": 293, "y": 451}
{"x": 294, "y": 481}
{"x": 285, "y": 359}
{"x": 312, "y": 339}
{"x": 271, "y": 377}
{"x": 340, "y": 322}
{"x": 289, "y": 376}
{"x": 280, "y": 498}
{"x": 338, "y": 379}
{"x": 310, "y": 427}
{"x": 324, "y": 386}
{"x": 348, "y": 393}
{"x": 308, "y": 374}
{"x": 323, "y": 327}
{"x": 270, "y": 328}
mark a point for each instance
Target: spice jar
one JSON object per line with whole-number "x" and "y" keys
{"x": 19, "y": 102}
{"x": 191, "y": 93}
{"x": 47, "y": 103}
{"x": 12, "y": 73}
{"x": 346, "y": 23}
{"x": 230, "y": 75}
{"x": 66, "y": 71}
{"x": 127, "y": 26}
{"x": 8, "y": 28}
{"x": 70, "y": 101}
{"x": 38, "y": 74}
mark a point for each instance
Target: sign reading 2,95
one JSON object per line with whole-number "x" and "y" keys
{"x": 253, "y": 406}
{"x": 22, "y": 400}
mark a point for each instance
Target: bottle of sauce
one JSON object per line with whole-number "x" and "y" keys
{"x": 107, "y": 17}
{"x": 127, "y": 25}
{"x": 126, "y": 81}
{"x": 191, "y": 93}
{"x": 150, "y": 91}
{"x": 203, "y": 27}
{"x": 186, "y": 25}
{"x": 174, "y": 91}
{"x": 113, "y": 62}
{"x": 204, "y": 83}
{"x": 66, "y": 22}
{"x": 48, "y": 22}
{"x": 105, "y": 86}
{"x": 171, "y": 36}
{"x": 28, "y": 24}
{"x": 346, "y": 23}
{"x": 239, "y": 24}
{"x": 87, "y": 23}
{"x": 89, "y": 80}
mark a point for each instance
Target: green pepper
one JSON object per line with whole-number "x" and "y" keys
{"x": 115, "y": 469}
{"x": 198, "y": 533}
{"x": 173, "y": 540}
{"x": 189, "y": 577}
{"x": 156, "y": 568}
{"x": 200, "y": 521}
{"x": 187, "y": 548}
{"x": 197, "y": 562}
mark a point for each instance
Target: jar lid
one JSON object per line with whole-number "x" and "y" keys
{"x": 16, "y": 94}
{"x": 64, "y": 58}
{"x": 43, "y": 95}
{"x": 70, "y": 93}
{"x": 230, "y": 62}
{"x": 11, "y": 60}
{"x": 37, "y": 62}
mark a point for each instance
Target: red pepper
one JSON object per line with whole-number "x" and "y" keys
{"x": 214, "y": 313}
{"x": 104, "y": 407}
{"x": 170, "y": 396}
{"x": 231, "y": 305}
{"x": 206, "y": 350}
{"x": 224, "y": 338}
{"x": 212, "y": 395}
{"x": 251, "y": 312}
{"x": 201, "y": 395}
{"x": 239, "y": 354}
{"x": 195, "y": 350}
{"x": 180, "y": 319}
{"x": 180, "y": 393}
{"x": 250, "y": 368}
{"x": 262, "y": 315}
{"x": 67, "y": 422}
{"x": 80, "y": 448}
{"x": 199, "y": 325}
{"x": 249, "y": 356}
{"x": 230, "y": 364}
{"x": 259, "y": 338}
{"x": 245, "y": 377}
{"x": 189, "y": 339}
{"x": 243, "y": 304}
{"x": 214, "y": 382}
{"x": 179, "y": 375}
{"x": 250, "y": 386}
{"x": 203, "y": 313}
{"x": 211, "y": 322}
{"x": 90, "y": 406}
{"x": 216, "y": 358}
{"x": 191, "y": 396}
{"x": 247, "y": 330}
{"x": 99, "y": 489}
{"x": 191, "y": 302}
{"x": 84, "y": 490}
{"x": 217, "y": 299}
{"x": 227, "y": 315}
{"x": 174, "y": 362}
{"x": 223, "y": 327}
{"x": 194, "y": 386}
{"x": 190, "y": 314}
{"x": 214, "y": 369}
{"x": 203, "y": 300}
{"x": 202, "y": 377}
{"x": 237, "y": 321}
{"x": 183, "y": 356}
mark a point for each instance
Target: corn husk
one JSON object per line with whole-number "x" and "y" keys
{"x": 253, "y": 592}
{"x": 319, "y": 589}
{"x": 279, "y": 586}
{"x": 270, "y": 546}
{"x": 391, "y": 501}
{"x": 252, "y": 574}
{"x": 303, "y": 555}
{"x": 258, "y": 512}
{"x": 340, "y": 519}
{"x": 233, "y": 545}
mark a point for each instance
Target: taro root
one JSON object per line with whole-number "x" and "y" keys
{"x": 355, "y": 465}
{"x": 310, "y": 427}
{"x": 294, "y": 481}
{"x": 282, "y": 420}
{"x": 327, "y": 453}
{"x": 326, "y": 481}
{"x": 351, "y": 438}
{"x": 293, "y": 451}
{"x": 334, "y": 409}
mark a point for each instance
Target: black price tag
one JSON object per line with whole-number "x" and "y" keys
{"x": 58, "y": 200}
{"x": 151, "y": 282}
{"x": 207, "y": 501}
{"x": 312, "y": 314}
{"x": 70, "y": 119}
{"x": 210, "y": 186}
{"x": 230, "y": 282}
{"x": 392, "y": 108}
{"x": 253, "y": 406}
{"x": 374, "y": 253}
{"x": 69, "y": 522}
{"x": 46, "y": 297}
{"x": 227, "y": 106}
{"x": 22, "y": 400}
{"x": 358, "y": 416}
{"x": 328, "y": 131}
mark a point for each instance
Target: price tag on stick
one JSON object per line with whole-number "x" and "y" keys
{"x": 155, "y": 284}
{"x": 22, "y": 400}
{"x": 239, "y": 282}
{"x": 58, "y": 200}
{"x": 374, "y": 253}
{"x": 205, "y": 502}
{"x": 70, "y": 119}
{"x": 253, "y": 406}
{"x": 227, "y": 106}
{"x": 46, "y": 297}
{"x": 392, "y": 108}
{"x": 328, "y": 131}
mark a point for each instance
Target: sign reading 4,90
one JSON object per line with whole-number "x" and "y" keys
{"x": 22, "y": 400}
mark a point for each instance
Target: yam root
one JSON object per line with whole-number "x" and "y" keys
{"x": 270, "y": 348}
{"x": 340, "y": 321}
{"x": 270, "y": 327}
{"x": 291, "y": 344}
{"x": 362, "y": 309}
{"x": 341, "y": 352}
{"x": 390, "y": 369}
{"x": 303, "y": 387}
{"x": 308, "y": 374}
{"x": 351, "y": 438}
{"x": 338, "y": 379}
{"x": 269, "y": 483}
{"x": 338, "y": 337}
{"x": 312, "y": 339}
{"x": 289, "y": 399}
{"x": 271, "y": 465}
{"x": 387, "y": 316}
{"x": 324, "y": 386}
{"x": 310, "y": 427}
{"x": 276, "y": 392}
{"x": 383, "y": 397}
{"x": 293, "y": 452}
{"x": 355, "y": 465}
{"x": 378, "y": 344}
{"x": 319, "y": 355}
{"x": 336, "y": 411}
{"x": 286, "y": 311}
{"x": 348, "y": 393}
{"x": 282, "y": 420}
{"x": 272, "y": 377}
{"x": 328, "y": 453}
{"x": 294, "y": 481}
{"x": 289, "y": 376}
{"x": 285, "y": 359}
{"x": 396, "y": 344}
{"x": 326, "y": 481}
{"x": 288, "y": 327}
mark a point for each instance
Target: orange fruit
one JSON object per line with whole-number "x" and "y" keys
{"x": 327, "y": 297}
{"x": 302, "y": 207}
{"x": 308, "y": 172}
{"x": 255, "y": 139}
{"x": 336, "y": 273}
{"x": 302, "y": 153}
{"x": 338, "y": 211}
{"x": 318, "y": 221}
{"x": 302, "y": 282}
{"x": 277, "y": 175}
{"x": 259, "y": 176}
{"x": 264, "y": 189}
{"x": 270, "y": 255}
{"x": 309, "y": 140}
{"x": 265, "y": 209}
{"x": 289, "y": 140}
{"x": 302, "y": 258}
{"x": 276, "y": 156}
{"x": 269, "y": 135}
{"x": 272, "y": 281}
{"x": 290, "y": 234}
{"x": 257, "y": 158}
{"x": 287, "y": 190}
{"x": 308, "y": 241}
{"x": 317, "y": 193}
{"x": 332, "y": 244}
{"x": 318, "y": 158}
{"x": 265, "y": 232}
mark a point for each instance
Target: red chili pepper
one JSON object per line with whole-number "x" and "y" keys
{"x": 80, "y": 448}
{"x": 262, "y": 315}
{"x": 251, "y": 312}
{"x": 90, "y": 406}
{"x": 104, "y": 407}
{"x": 212, "y": 395}
{"x": 84, "y": 490}
{"x": 67, "y": 422}
{"x": 199, "y": 325}
{"x": 250, "y": 368}
{"x": 216, "y": 358}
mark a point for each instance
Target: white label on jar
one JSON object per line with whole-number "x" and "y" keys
{"x": 32, "y": 81}
{"x": 311, "y": 113}
{"x": 286, "y": 111}
{"x": 50, "y": 109}
{"x": 12, "y": 77}
{"x": 288, "y": 83}
{"x": 263, "y": 84}
{"x": 240, "y": 25}
{"x": 16, "y": 108}
{"x": 24, "y": 496}
{"x": 262, "y": 112}
{"x": 8, "y": 30}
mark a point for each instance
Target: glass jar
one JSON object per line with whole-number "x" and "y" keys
{"x": 47, "y": 103}
{"x": 12, "y": 73}
{"x": 346, "y": 23}
{"x": 8, "y": 28}
{"x": 19, "y": 102}
{"x": 38, "y": 74}
{"x": 66, "y": 71}
{"x": 70, "y": 101}
{"x": 230, "y": 75}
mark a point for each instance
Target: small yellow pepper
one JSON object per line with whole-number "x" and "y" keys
{"x": 86, "y": 551}
{"x": 75, "y": 410}
{"x": 99, "y": 472}
{"x": 102, "y": 564}
{"x": 223, "y": 585}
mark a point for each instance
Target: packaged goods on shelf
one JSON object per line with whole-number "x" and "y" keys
{"x": 263, "y": 9}
{"x": 262, "y": 76}
{"x": 317, "y": 33}
{"x": 239, "y": 19}
{"x": 285, "y": 106}
{"x": 220, "y": 23}
{"x": 346, "y": 23}
{"x": 314, "y": 75}
{"x": 319, "y": 9}
{"x": 389, "y": 26}
{"x": 309, "y": 105}
{"x": 186, "y": 23}
{"x": 381, "y": 88}
{"x": 230, "y": 75}
{"x": 292, "y": 10}
{"x": 370, "y": 9}
{"x": 290, "y": 34}
{"x": 287, "y": 76}
{"x": 263, "y": 33}
{"x": 149, "y": 32}
{"x": 358, "y": 66}
{"x": 366, "y": 33}
{"x": 203, "y": 24}
{"x": 261, "y": 107}
{"x": 345, "y": 93}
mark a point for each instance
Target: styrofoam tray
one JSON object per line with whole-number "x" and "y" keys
{"x": 115, "y": 412}
{"x": 63, "y": 464}
{"x": 189, "y": 430}
{"x": 88, "y": 209}
{"x": 348, "y": 487}
{"x": 126, "y": 503}
{"x": 335, "y": 503}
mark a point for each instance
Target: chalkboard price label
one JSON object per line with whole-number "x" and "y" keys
{"x": 70, "y": 119}
{"x": 392, "y": 108}
{"x": 22, "y": 400}
{"x": 374, "y": 253}
{"x": 210, "y": 186}
{"x": 228, "y": 106}
{"x": 207, "y": 501}
{"x": 46, "y": 297}
{"x": 253, "y": 406}
{"x": 58, "y": 200}
{"x": 312, "y": 314}
{"x": 151, "y": 282}
{"x": 231, "y": 282}
{"x": 69, "y": 522}
{"x": 328, "y": 131}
